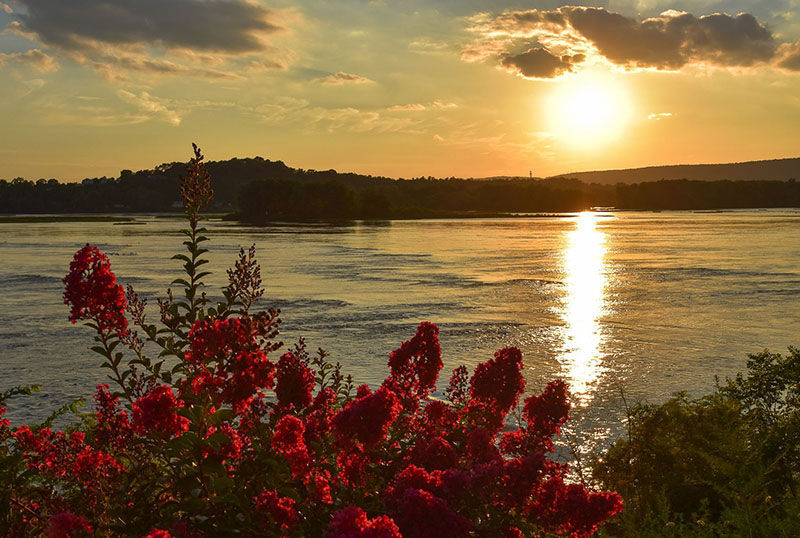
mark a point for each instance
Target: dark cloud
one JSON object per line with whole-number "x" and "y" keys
{"x": 221, "y": 26}
{"x": 554, "y": 39}
{"x": 540, "y": 63}
{"x": 212, "y": 39}
{"x": 673, "y": 39}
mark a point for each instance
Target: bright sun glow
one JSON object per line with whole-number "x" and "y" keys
{"x": 589, "y": 110}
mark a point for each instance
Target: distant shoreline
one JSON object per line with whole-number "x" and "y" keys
{"x": 132, "y": 219}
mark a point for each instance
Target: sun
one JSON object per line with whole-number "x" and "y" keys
{"x": 589, "y": 110}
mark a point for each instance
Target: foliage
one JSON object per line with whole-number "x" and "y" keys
{"x": 724, "y": 464}
{"x": 206, "y": 433}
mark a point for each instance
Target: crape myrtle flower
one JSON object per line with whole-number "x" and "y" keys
{"x": 226, "y": 362}
{"x": 157, "y": 533}
{"x": 288, "y": 440}
{"x": 278, "y": 512}
{"x": 156, "y": 411}
{"x": 499, "y": 381}
{"x": 352, "y": 522}
{"x": 570, "y": 509}
{"x": 547, "y": 412}
{"x": 65, "y": 456}
{"x": 68, "y": 525}
{"x": 295, "y": 382}
{"x": 367, "y": 419}
{"x": 112, "y": 427}
{"x": 415, "y": 364}
{"x": 92, "y": 292}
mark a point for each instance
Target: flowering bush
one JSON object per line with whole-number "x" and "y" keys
{"x": 205, "y": 433}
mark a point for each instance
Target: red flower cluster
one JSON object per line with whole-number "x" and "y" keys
{"x": 226, "y": 361}
{"x": 367, "y": 419}
{"x": 295, "y": 382}
{"x": 92, "y": 292}
{"x": 67, "y": 525}
{"x": 288, "y": 440}
{"x": 280, "y": 511}
{"x": 499, "y": 381}
{"x": 67, "y": 457}
{"x": 156, "y": 412}
{"x": 352, "y": 522}
{"x": 112, "y": 427}
{"x": 416, "y": 363}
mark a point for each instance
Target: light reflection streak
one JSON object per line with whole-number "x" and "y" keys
{"x": 584, "y": 267}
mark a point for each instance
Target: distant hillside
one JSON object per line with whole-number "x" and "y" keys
{"x": 260, "y": 190}
{"x": 772, "y": 170}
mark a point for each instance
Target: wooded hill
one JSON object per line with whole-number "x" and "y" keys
{"x": 771, "y": 170}
{"x": 260, "y": 190}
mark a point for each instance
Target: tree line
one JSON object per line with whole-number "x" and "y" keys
{"x": 259, "y": 190}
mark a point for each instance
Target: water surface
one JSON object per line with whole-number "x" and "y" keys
{"x": 645, "y": 303}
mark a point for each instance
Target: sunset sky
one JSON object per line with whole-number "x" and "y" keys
{"x": 399, "y": 88}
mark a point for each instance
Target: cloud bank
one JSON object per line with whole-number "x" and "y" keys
{"x": 182, "y": 37}
{"x": 544, "y": 44}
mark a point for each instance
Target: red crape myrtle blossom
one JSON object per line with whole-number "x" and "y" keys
{"x": 156, "y": 411}
{"x": 4, "y": 422}
{"x": 92, "y": 292}
{"x": 226, "y": 362}
{"x": 367, "y": 419}
{"x": 288, "y": 440}
{"x": 352, "y": 522}
{"x": 279, "y": 513}
{"x": 158, "y": 533}
{"x": 112, "y": 427}
{"x": 295, "y": 382}
{"x": 67, "y": 525}
{"x": 62, "y": 455}
{"x": 499, "y": 381}
{"x": 415, "y": 365}
{"x": 570, "y": 509}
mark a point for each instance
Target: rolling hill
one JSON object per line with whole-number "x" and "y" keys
{"x": 774, "y": 170}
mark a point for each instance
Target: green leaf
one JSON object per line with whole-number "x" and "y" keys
{"x": 100, "y": 350}
{"x": 213, "y": 468}
{"x": 220, "y": 416}
{"x": 182, "y": 257}
{"x": 185, "y": 442}
{"x": 222, "y": 485}
{"x": 218, "y": 439}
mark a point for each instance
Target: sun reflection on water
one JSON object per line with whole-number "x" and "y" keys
{"x": 585, "y": 279}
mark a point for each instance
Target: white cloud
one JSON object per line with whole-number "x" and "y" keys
{"x": 339, "y": 78}
{"x": 151, "y": 106}
{"x": 34, "y": 59}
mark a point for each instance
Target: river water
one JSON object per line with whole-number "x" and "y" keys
{"x": 640, "y": 304}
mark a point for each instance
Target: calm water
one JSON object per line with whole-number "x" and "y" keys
{"x": 648, "y": 303}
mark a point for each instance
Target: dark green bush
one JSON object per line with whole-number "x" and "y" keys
{"x": 726, "y": 464}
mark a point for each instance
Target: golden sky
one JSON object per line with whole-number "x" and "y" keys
{"x": 468, "y": 88}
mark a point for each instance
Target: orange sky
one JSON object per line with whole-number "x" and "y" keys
{"x": 439, "y": 87}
